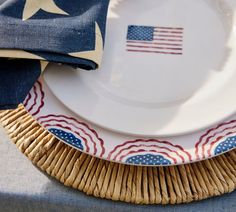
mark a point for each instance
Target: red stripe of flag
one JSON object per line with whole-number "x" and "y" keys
{"x": 172, "y": 32}
{"x": 153, "y": 47}
{"x": 158, "y": 52}
{"x": 148, "y": 43}
{"x": 172, "y": 28}
{"x": 170, "y": 36}
{"x": 162, "y": 39}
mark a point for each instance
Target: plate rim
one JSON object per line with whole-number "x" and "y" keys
{"x": 121, "y": 142}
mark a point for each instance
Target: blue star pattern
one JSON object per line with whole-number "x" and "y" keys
{"x": 226, "y": 145}
{"x": 148, "y": 159}
{"x": 68, "y": 137}
{"x": 59, "y": 31}
{"x": 143, "y": 33}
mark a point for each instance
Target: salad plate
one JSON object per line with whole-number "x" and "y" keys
{"x": 168, "y": 69}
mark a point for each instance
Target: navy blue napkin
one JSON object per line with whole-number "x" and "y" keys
{"x": 35, "y": 32}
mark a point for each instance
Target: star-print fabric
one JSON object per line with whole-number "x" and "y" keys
{"x": 35, "y": 32}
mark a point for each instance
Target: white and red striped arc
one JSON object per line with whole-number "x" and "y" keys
{"x": 175, "y": 153}
{"x": 166, "y": 40}
{"x": 212, "y": 138}
{"x": 34, "y": 101}
{"x": 90, "y": 139}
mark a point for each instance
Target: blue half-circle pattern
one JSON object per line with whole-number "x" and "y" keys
{"x": 226, "y": 145}
{"x": 67, "y": 137}
{"x": 148, "y": 159}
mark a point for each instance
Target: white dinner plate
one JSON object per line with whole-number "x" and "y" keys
{"x": 169, "y": 68}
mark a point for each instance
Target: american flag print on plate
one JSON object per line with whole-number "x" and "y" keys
{"x": 151, "y": 39}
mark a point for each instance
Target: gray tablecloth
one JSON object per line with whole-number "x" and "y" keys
{"x": 23, "y": 187}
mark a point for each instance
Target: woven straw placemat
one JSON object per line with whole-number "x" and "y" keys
{"x": 93, "y": 176}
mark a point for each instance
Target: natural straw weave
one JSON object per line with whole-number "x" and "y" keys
{"x": 93, "y": 176}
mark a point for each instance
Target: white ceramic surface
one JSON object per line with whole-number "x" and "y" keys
{"x": 181, "y": 81}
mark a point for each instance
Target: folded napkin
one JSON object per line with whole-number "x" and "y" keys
{"x": 35, "y": 32}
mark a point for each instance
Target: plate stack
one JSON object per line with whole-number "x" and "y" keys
{"x": 156, "y": 124}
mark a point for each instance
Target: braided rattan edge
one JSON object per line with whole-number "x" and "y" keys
{"x": 93, "y": 176}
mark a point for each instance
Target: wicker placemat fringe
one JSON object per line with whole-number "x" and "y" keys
{"x": 93, "y": 176}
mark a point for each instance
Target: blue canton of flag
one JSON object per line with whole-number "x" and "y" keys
{"x": 144, "y": 33}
